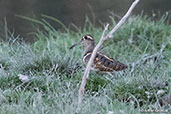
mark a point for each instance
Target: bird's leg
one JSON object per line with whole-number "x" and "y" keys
{"x": 110, "y": 74}
{"x": 109, "y": 78}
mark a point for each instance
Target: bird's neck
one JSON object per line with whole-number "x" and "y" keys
{"x": 89, "y": 47}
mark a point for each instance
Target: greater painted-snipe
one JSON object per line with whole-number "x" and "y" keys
{"x": 101, "y": 61}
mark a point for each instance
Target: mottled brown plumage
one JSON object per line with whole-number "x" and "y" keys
{"x": 101, "y": 61}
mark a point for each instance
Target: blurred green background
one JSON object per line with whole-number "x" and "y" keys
{"x": 73, "y": 11}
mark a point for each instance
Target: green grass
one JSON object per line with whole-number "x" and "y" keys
{"x": 55, "y": 72}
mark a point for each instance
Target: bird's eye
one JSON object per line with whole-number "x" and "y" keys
{"x": 85, "y": 37}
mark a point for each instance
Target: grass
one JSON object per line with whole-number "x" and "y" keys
{"x": 55, "y": 72}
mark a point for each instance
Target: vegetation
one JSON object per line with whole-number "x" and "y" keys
{"x": 54, "y": 72}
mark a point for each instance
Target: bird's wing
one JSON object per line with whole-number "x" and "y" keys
{"x": 110, "y": 63}
{"x": 104, "y": 63}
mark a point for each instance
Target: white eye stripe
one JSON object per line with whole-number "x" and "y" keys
{"x": 88, "y": 37}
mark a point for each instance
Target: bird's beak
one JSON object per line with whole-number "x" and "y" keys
{"x": 78, "y": 43}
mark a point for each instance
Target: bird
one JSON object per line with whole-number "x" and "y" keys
{"x": 101, "y": 62}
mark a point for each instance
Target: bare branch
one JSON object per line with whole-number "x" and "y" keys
{"x": 145, "y": 59}
{"x": 87, "y": 70}
{"x": 122, "y": 20}
{"x": 102, "y": 39}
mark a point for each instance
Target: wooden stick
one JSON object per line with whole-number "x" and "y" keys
{"x": 123, "y": 19}
{"x": 102, "y": 39}
{"x": 87, "y": 70}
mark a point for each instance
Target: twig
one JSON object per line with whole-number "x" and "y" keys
{"x": 144, "y": 59}
{"x": 87, "y": 70}
{"x": 122, "y": 20}
{"x": 102, "y": 39}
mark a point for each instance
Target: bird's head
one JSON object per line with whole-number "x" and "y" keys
{"x": 86, "y": 40}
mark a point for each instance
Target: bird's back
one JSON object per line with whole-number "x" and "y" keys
{"x": 104, "y": 63}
